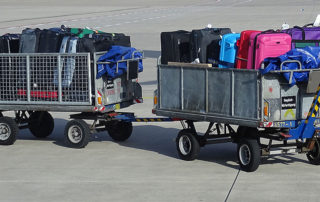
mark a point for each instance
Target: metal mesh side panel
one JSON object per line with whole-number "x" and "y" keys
{"x": 12, "y": 79}
{"x": 46, "y": 84}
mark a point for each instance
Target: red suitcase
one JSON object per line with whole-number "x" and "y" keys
{"x": 243, "y": 47}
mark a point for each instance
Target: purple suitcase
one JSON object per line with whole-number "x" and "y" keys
{"x": 304, "y": 36}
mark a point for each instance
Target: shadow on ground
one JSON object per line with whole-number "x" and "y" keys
{"x": 151, "y": 53}
{"x": 162, "y": 141}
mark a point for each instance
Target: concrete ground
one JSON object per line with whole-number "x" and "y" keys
{"x": 146, "y": 167}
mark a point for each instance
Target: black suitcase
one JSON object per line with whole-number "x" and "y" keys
{"x": 205, "y": 44}
{"x": 9, "y": 43}
{"x": 98, "y": 42}
{"x": 29, "y": 40}
{"x": 50, "y": 41}
{"x": 175, "y": 47}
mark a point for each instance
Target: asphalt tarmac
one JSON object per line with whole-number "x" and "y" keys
{"x": 146, "y": 167}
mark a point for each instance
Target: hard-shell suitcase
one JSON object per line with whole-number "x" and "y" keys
{"x": 175, "y": 47}
{"x": 304, "y": 36}
{"x": 9, "y": 43}
{"x": 228, "y": 50}
{"x": 205, "y": 44}
{"x": 29, "y": 40}
{"x": 243, "y": 48}
{"x": 267, "y": 44}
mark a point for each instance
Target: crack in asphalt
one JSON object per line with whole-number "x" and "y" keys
{"x": 234, "y": 182}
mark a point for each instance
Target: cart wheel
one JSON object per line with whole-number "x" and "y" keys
{"x": 187, "y": 145}
{"x": 8, "y": 131}
{"x": 77, "y": 133}
{"x": 249, "y": 154}
{"x": 314, "y": 155}
{"x": 41, "y": 124}
{"x": 119, "y": 130}
{"x": 1, "y": 115}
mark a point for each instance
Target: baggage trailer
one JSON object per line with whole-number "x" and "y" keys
{"x": 266, "y": 109}
{"x": 32, "y": 85}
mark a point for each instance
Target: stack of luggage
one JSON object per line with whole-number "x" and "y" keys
{"x": 224, "y": 49}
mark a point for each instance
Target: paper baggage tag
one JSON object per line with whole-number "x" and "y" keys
{"x": 317, "y": 21}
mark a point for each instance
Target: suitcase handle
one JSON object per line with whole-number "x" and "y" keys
{"x": 307, "y": 25}
{"x": 302, "y": 30}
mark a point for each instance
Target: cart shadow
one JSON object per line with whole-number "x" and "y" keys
{"x": 162, "y": 141}
{"x": 151, "y": 53}
{"x": 282, "y": 159}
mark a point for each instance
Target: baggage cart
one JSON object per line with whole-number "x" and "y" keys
{"x": 32, "y": 85}
{"x": 266, "y": 109}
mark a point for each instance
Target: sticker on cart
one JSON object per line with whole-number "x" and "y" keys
{"x": 288, "y": 102}
{"x": 110, "y": 84}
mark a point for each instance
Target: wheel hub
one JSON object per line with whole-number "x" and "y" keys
{"x": 245, "y": 154}
{"x": 185, "y": 145}
{"x": 75, "y": 134}
{"x": 4, "y": 131}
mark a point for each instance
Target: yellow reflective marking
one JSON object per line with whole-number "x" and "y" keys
{"x": 316, "y": 108}
{"x": 313, "y": 115}
{"x": 152, "y": 119}
{"x": 159, "y": 119}
{"x": 318, "y": 89}
{"x": 139, "y": 120}
{"x": 146, "y": 120}
{"x": 117, "y": 106}
{"x": 289, "y": 111}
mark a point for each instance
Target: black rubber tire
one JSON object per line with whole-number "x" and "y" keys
{"x": 8, "y": 125}
{"x": 188, "y": 146}
{"x": 1, "y": 115}
{"x": 249, "y": 154}
{"x": 119, "y": 130}
{"x": 314, "y": 155}
{"x": 41, "y": 124}
{"x": 77, "y": 133}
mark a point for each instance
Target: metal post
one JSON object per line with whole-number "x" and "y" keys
{"x": 232, "y": 93}
{"x": 181, "y": 74}
{"x": 59, "y": 79}
{"x": 28, "y": 79}
{"x": 89, "y": 77}
{"x": 207, "y": 92}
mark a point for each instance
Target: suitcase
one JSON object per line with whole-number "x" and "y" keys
{"x": 304, "y": 36}
{"x": 267, "y": 44}
{"x": 9, "y": 43}
{"x": 175, "y": 47}
{"x": 50, "y": 41}
{"x": 205, "y": 44}
{"x": 29, "y": 40}
{"x": 243, "y": 48}
{"x": 228, "y": 50}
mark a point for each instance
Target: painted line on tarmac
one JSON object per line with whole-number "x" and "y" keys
{"x": 98, "y": 17}
{"x": 234, "y": 182}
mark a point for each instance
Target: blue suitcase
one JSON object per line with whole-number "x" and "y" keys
{"x": 228, "y": 50}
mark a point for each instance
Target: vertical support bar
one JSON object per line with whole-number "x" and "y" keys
{"x": 232, "y": 93}
{"x": 159, "y": 84}
{"x": 95, "y": 73}
{"x": 261, "y": 81}
{"x": 89, "y": 78}
{"x": 28, "y": 79}
{"x": 59, "y": 79}
{"x": 207, "y": 91}
{"x": 181, "y": 74}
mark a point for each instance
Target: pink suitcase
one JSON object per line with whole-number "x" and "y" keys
{"x": 266, "y": 44}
